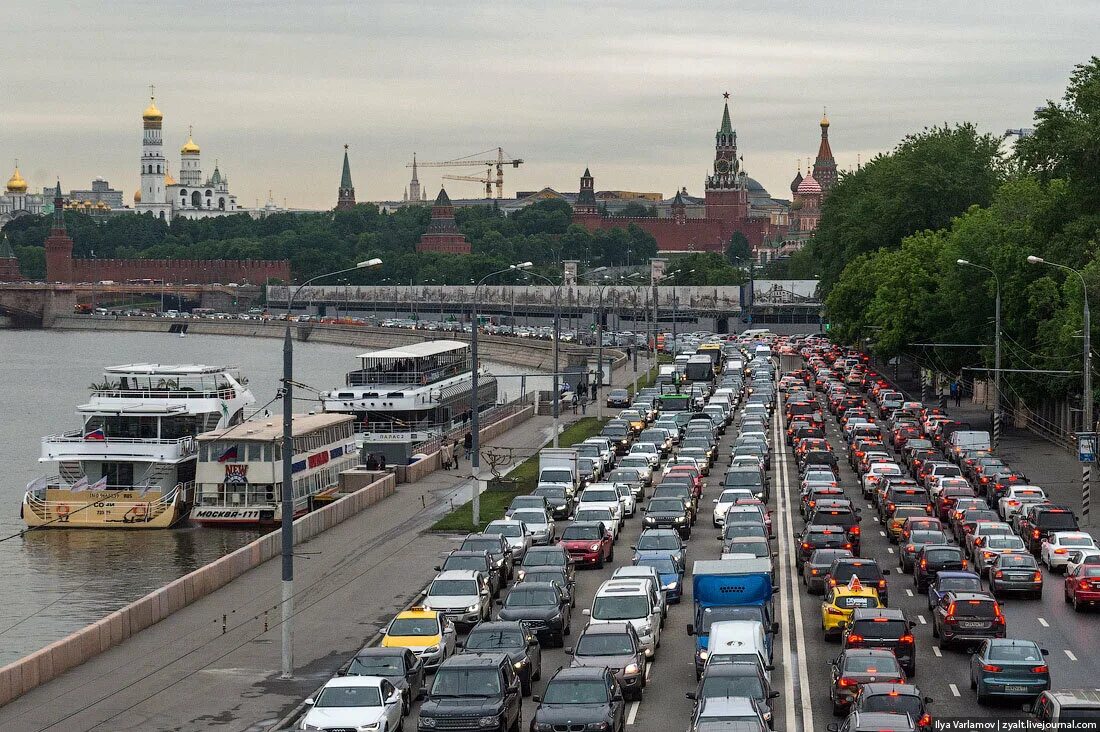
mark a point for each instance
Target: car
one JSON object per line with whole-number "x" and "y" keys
{"x": 557, "y": 575}
{"x": 626, "y": 498}
{"x": 1043, "y": 520}
{"x": 618, "y": 398}
{"x": 867, "y": 570}
{"x": 670, "y": 512}
{"x": 1015, "y": 572}
{"x": 514, "y": 639}
{"x": 1078, "y": 557}
{"x": 399, "y": 666}
{"x": 1054, "y": 551}
{"x": 515, "y": 533}
{"x": 1082, "y": 586}
{"x": 817, "y": 566}
{"x": 474, "y": 691}
{"x": 548, "y": 556}
{"x": 427, "y": 633}
{"x": 728, "y": 498}
{"x": 542, "y": 607}
{"x": 499, "y": 550}
{"x": 670, "y": 572}
{"x": 540, "y": 526}
{"x": 966, "y": 618}
{"x": 819, "y": 537}
{"x": 558, "y": 497}
{"x": 1014, "y": 497}
{"x": 660, "y": 542}
{"x": 1080, "y": 706}
{"x": 886, "y": 628}
{"x": 739, "y": 713}
{"x": 723, "y": 680}
{"x": 902, "y": 699}
{"x": 858, "y": 666}
{"x": 1007, "y": 667}
{"x": 874, "y": 722}
{"x": 615, "y": 646}
{"x": 631, "y": 599}
{"x": 910, "y": 546}
{"x": 841, "y": 601}
{"x": 588, "y": 543}
{"x": 933, "y": 558}
{"x": 356, "y": 702}
{"x": 478, "y": 561}
{"x": 586, "y": 696}
{"x": 462, "y": 595}
{"x": 634, "y": 478}
{"x": 994, "y": 546}
{"x": 946, "y": 581}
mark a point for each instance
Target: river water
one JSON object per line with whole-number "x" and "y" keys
{"x": 57, "y": 581}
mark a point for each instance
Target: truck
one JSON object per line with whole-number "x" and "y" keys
{"x": 730, "y": 589}
{"x": 789, "y": 362}
{"x": 558, "y": 466}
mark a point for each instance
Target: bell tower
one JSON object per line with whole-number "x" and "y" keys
{"x": 726, "y": 196}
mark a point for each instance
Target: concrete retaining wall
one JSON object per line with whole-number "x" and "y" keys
{"x": 50, "y": 662}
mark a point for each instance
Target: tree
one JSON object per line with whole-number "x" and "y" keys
{"x": 638, "y": 210}
{"x": 739, "y": 249}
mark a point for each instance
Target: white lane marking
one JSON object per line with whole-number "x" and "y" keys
{"x": 936, "y": 650}
{"x": 1069, "y": 654}
{"x": 922, "y": 620}
{"x": 890, "y": 549}
{"x": 632, "y": 713}
{"x": 1043, "y": 622}
{"x": 648, "y": 671}
{"x": 869, "y": 505}
{"x": 881, "y": 533}
{"x": 784, "y": 594}
{"x": 909, "y": 592}
{"x": 954, "y": 690}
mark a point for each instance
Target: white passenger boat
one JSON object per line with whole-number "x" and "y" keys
{"x": 132, "y": 463}
{"x": 403, "y": 396}
{"x": 239, "y": 478}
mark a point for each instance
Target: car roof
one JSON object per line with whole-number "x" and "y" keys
{"x": 381, "y": 651}
{"x": 485, "y": 659}
{"x": 963, "y": 596}
{"x": 458, "y": 574}
{"x": 615, "y": 628}
{"x": 727, "y": 705}
{"x": 883, "y": 612}
{"x": 885, "y": 687}
{"x": 417, "y": 612}
{"x": 580, "y": 672}
{"x": 868, "y": 652}
{"x": 345, "y": 681}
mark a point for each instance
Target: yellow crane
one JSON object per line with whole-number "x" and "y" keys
{"x": 478, "y": 159}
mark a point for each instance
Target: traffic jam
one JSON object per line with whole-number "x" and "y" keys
{"x": 770, "y": 537}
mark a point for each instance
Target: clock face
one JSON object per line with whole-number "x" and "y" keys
{"x": 722, "y": 166}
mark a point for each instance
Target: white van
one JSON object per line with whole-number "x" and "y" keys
{"x": 739, "y": 641}
{"x": 631, "y": 600}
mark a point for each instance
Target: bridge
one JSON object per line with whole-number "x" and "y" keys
{"x": 36, "y": 305}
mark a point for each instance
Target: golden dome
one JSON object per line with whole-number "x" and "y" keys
{"x": 189, "y": 146}
{"x": 169, "y": 180}
{"x": 16, "y": 184}
{"x": 151, "y": 113}
{"x": 137, "y": 196}
{"x": 824, "y": 119}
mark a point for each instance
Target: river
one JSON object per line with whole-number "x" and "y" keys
{"x": 57, "y": 581}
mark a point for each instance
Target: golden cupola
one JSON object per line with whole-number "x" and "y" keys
{"x": 151, "y": 113}
{"x": 16, "y": 184}
{"x": 189, "y": 147}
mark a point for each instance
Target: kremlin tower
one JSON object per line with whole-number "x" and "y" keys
{"x": 825, "y": 165}
{"x": 443, "y": 234}
{"x": 345, "y": 200}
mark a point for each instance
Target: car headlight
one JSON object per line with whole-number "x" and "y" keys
{"x": 368, "y": 727}
{"x": 488, "y": 721}
{"x": 594, "y": 548}
{"x": 632, "y": 669}
{"x": 597, "y": 726}
{"x": 520, "y": 664}
{"x": 680, "y": 519}
{"x": 427, "y": 722}
{"x": 433, "y": 649}
{"x": 672, "y": 585}
{"x": 645, "y": 630}
{"x": 649, "y": 520}
{"x": 311, "y": 726}
{"x": 521, "y": 574}
{"x": 702, "y": 653}
{"x": 542, "y": 727}
{"x": 473, "y": 608}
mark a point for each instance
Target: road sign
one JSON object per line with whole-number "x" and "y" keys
{"x": 1086, "y": 447}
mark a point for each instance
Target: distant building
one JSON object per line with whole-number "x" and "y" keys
{"x": 9, "y": 265}
{"x": 345, "y": 195}
{"x": 16, "y": 201}
{"x": 443, "y": 234}
{"x": 413, "y": 194}
{"x": 101, "y": 192}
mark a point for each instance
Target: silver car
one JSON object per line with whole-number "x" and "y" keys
{"x": 514, "y": 532}
{"x": 540, "y": 526}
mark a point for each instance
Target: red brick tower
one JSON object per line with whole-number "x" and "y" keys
{"x": 59, "y": 246}
{"x": 443, "y": 234}
{"x": 726, "y": 196}
{"x": 586, "y": 200}
{"x": 9, "y": 265}
{"x": 825, "y": 164}
{"x": 345, "y": 199}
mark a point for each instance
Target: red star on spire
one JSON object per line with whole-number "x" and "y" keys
{"x": 725, "y": 95}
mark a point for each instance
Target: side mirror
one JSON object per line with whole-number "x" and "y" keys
{"x": 310, "y": 702}
{"x": 568, "y": 651}
{"x": 832, "y": 727}
{"x": 843, "y": 625}
{"x": 498, "y": 602}
{"x": 460, "y": 645}
{"x": 715, "y": 500}
{"x": 422, "y": 694}
{"x": 885, "y": 573}
{"x": 773, "y": 695}
{"x": 438, "y": 568}
{"x": 1044, "y": 651}
{"x": 775, "y": 627}
{"x": 769, "y": 667}
{"x": 633, "y": 548}
{"x": 690, "y": 629}
{"x": 928, "y": 700}
{"x": 536, "y": 698}
{"x": 775, "y": 590}
{"x": 586, "y": 612}
{"x": 690, "y": 695}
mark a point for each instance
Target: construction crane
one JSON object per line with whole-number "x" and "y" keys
{"x": 479, "y": 159}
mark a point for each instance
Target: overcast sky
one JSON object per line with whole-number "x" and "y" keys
{"x": 633, "y": 89}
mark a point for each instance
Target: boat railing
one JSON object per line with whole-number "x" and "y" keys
{"x": 388, "y": 427}
{"x": 182, "y": 392}
{"x": 369, "y": 377}
{"x": 187, "y": 444}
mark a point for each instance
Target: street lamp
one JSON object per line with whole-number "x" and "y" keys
{"x": 1086, "y": 386}
{"x": 475, "y": 431}
{"x": 557, "y": 337}
{"x": 996, "y": 349}
{"x": 287, "y": 518}
{"x": 598, "y": 381}
{"x": 637, "y": 288}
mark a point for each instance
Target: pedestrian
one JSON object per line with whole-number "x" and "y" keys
{"x": 372, "y": 462}
{"x": 465, "y": 418}
{"x": 584, "y": 404}
{"x": 956, "y": 392}
{"x": 381, "y": 461}
{"x": 468, "y": 444}
{"x": 574, "y": 401}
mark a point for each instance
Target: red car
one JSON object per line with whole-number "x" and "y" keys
{"x": 1083, "y": 586}
{"x": 588, "y": 542}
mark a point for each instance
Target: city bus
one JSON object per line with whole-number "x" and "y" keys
{"x": 716, "y": 354}
{"x": 700, "y": 367}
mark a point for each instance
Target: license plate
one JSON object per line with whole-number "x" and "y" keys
{"x": 1015, "y": 688}
{"x": 973, "y": 625}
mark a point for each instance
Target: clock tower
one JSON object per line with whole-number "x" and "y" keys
{"x": 726, "y": 196}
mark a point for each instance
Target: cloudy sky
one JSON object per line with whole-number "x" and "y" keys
{"x": 633, "y": 89}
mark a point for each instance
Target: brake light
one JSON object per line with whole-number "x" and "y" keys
{"x": 1059, "y": 551}
{"x": 907, "y": 638}
{"x": 951, "y": 612}
{"x": 999, "y": 574}
{"x": 845, "y": 546}
{"x": 814, "y": 572}
{"x": 990, "y": 668}
{"x": 1037, "y": 577}
{"x": 855, "y": 638}
{"x": 924, "y": 565}
{"x": 925, "y": 721}
{"x": 846, "y": 683}
{"x": 965, "y": 562}
{"x": 833, "y": 611}
{"x": 806, "y": 545}
{"x": 882, "y": 584}
{"x": 1039, "y": 669}
{"x": 1035, "y": 534}
{"x": 890, "y": 507}
{"x": 988, "y": 555}
{"x": 855, "y": 530}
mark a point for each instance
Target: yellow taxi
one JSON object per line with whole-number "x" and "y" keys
{"x": 841, "y": 601}
{"x": 636, "y": 419}
{"x": 427, "y": 633}
{"x": 896, "y": 521}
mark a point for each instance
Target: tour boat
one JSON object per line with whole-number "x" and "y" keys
{"x": 401, "y": 397}
{"x": 132, "y": 463}
{"x": 239, "y": 477}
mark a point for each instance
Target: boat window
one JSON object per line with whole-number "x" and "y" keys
{"x": 255, "y": 452}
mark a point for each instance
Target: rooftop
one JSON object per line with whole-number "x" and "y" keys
{"x": 417, "y": 350}
{"x": 167, "y": 370}
{"x": 272, "y": 428}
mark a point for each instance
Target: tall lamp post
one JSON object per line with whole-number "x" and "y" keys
{"x": 475, "y": 406}
{"x": 287, "y": 518}
{"x": 598, "y": 381}
{"x": 996, "y": 349}
{"x": 557, "y": 337}
{"x": 1086, "y": 386}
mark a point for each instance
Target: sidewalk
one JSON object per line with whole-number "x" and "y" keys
{"x": 185, "y": 673}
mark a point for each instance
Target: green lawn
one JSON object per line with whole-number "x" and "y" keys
{"x": 494, "y": 503}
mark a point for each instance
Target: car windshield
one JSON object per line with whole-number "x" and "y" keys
{"x": 452, "y": 587}
{"x": 759, "y": 548}
{"x": 870, "y": 664}
{"x": 525, "y": 596}
{"x": 900, "y": 703}
{"x": 1076, "y": 541}
{"x": 611, "y": 607}
{"x": 712, "y": 615}
{"x": 1023, "y": 653}
{"x": 1018, "y": 560}
{"x": 605, "y": 644}
{"x": 414, "y": 626}
{"x": 625, "y": 476}
{"x": 735, "y": 531}
{"x": 600, "y": 496}
{"x": 927, "y": 537}
{"x": 593, "y": 514}
{"x": 850, "y": 602}
{"x": 657, "y": 541}
{"x": 531, "y": 518}
{"x": 551, "y": 559}
{"x": 721, "y": 685}
{"x": 481, "y": 545}
{"x": 880, "y": 628}
{"x": 674, "y": 505}
{"x": 581, "y": 532}
{"x": 349, "y": 696}
{"x": 552, "y": 492}
{"x": 976, "y": 608}
{"x": 376, "y": 666}
{"x": 466, "y": 682}
{"x": 1005, "y": 542}
{"x": 943, "y": 555}
{"x": 510, "y": 530}
{"x": 634, "y": 462}
{"x": 662, "y": 565}
{"x": 575, "y": 691}
{"x": 480, "y": 640}
{"x": 465, "y": 563}
{"x": 958, "y": 583}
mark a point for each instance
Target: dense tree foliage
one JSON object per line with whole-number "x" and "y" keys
{"x": 913, "y": 291}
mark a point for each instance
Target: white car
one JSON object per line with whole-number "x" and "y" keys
{"x": 1055, "y": 550}
{"x": 1077, "y": 557}
{"x": 647, "y": 450}
{"x": 514, "y": 532}
{"x": 994, "y": 546}
{"x": 462, "y": 595}
{"x": 626, "y": 497}
{"x": 728, "y": 498}
{"x": 355, "y": 702}
{"x": 937, "y": 483}
{"x": 602, "y": 495}
{"x": 1015, "y": 497}
{"x": 875, "y": 473}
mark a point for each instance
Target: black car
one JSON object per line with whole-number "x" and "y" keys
{"x": 967, "y": 618}
{"x": 895, "y": 699}
{"x": 1042, "y": 521}
{"x": 400, "y": 666}
{"x": 885, "y": 628}
{"x": 557, "y": 575}
{"x": 820, "y": 537}
{"x": 542, "y": 607}
{"x": 934, "y": 558}
{"x": 1015, "y": 573}
{"x": 469, "y": 690}
{"x": 736, "y": 679}
{"x": 837, "y": 515}
{"x": 874, "y": 722}
{"x": 538, "y": 557}
{"x": 514, "y": 639}
{"x": 667, "y": 513}
{"x": 561, "y": 505}
{"x": 499, "y": 551}
{"x": 817, "y": 566}
{"x": 479, "y": 561}
{"x": 583, "y": 697}
{"x": 869, "y": 572}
